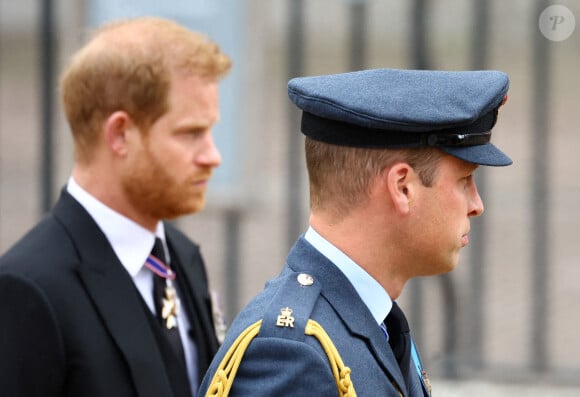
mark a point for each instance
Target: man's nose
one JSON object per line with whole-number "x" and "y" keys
{"x": 476, "y": 207}
{"x": 209, "y": 155}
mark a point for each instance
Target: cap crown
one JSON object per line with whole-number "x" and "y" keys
{"x": 405, "y": 100}
{"x": 395, "y": 108}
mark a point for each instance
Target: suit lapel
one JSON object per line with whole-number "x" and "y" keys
{"x": 192, "y": 281}
{"x": 116, "y": 299}
{"x": 416, "y": 386}
{"x": 335, "y": 285}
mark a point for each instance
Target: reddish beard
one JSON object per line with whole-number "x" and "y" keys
{"x": 154, "y": 192}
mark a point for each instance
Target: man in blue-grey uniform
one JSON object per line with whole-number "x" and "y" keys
{"x": 391, "y": 156}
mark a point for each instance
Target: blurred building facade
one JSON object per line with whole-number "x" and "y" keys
{"x": 509, "y": 312}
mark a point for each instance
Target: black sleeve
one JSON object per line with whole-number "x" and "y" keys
{"x": 31, "y": 349}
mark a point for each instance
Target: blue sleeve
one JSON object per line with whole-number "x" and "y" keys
{"x": 280, "y": 367}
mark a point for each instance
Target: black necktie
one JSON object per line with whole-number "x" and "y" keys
{"x": 400, "y": 339}
{"x": 159, "y": 287}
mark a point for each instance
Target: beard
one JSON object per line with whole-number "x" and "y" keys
{"x": 157, "y": 193}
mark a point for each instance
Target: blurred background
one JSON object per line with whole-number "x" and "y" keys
{"x": 505, "y": 322}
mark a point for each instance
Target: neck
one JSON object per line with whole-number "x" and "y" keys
{"x": 100, "y": 184}
{"x": 365, "y": 241}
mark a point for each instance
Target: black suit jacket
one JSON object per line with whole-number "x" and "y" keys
{"x": 74, "y": 324}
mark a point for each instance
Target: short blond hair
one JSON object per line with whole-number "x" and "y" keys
{"x": 127, "y": 65}
{"x": 341, "y": 176}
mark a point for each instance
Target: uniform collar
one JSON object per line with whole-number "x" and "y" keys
{"x": 371, "y": 292}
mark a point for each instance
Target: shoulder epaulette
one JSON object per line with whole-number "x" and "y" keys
{"x": 291, "y": 307}
{"x": 287, "y": 316}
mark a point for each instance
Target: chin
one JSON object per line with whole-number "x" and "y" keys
{"x": 193, "y": 207}
{"x": 448, "y": 269}
{"x": 443, "y": 268}
{"x": 439, "y": 271}
{"x": 183, "y": 209}
{"x": 451, "y": 266}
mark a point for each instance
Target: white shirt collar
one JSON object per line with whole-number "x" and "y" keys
{"x": 131, "y": 242}
{"x": 371, "y": 292}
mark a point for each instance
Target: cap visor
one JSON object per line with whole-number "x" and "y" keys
{"x": 486, "y": 154}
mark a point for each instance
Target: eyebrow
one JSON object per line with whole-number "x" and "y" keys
{"x": 473, "y": 167}
{"x": 190, "y": 124}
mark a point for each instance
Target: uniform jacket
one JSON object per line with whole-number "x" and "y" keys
{"x": 74, "y": 324}
{"x": 282, "y": 361}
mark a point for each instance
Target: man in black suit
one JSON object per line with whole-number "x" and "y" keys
{"x": 79, "y": 315}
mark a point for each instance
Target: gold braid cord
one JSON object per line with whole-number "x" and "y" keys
{"x": 224, "y": 377}
{"x": 339, "y": 370}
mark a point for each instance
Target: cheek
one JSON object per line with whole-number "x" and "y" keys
{"x": 450, "y": 202}
{"x": 136, "y": 164}
{"x": 176, "y": 156}
{"x": 165, "y": 157}
{"x": 437, "y": 219}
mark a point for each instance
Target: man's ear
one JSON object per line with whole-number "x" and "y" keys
{"x": 399, "y": 179}
{"x": 116, "y": 129}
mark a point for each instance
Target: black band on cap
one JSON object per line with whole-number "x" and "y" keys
{"x": 346, "y": 134}
{"x": 474, "y": 139}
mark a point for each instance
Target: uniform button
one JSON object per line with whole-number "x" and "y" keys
{"x": 305, "y": 279}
